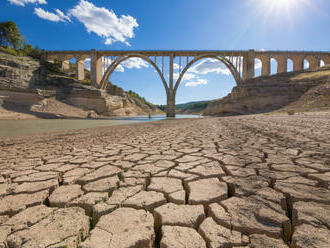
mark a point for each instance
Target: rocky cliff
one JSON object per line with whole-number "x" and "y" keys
{"x": 276, "y": 93}
{"x": 40, "y": 88}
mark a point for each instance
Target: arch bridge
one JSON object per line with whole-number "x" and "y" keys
{"x": 241, "y": 64}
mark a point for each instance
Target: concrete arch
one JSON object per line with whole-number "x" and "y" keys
{"x": 313, "y": 61}
{"x": 326, "y": 60}
{"x": 282, "y": 63}
{"x": 116, "y": 63}
{"x": 298, "y": 62}
{"x": 222, "y": 59}
{"x": 265, "y": 64}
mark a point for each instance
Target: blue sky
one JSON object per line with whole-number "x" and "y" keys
{"x": 172, "y": 24}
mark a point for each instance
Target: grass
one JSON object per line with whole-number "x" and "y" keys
{"x": 121, "y": 177}
{"x": 312, "y": 75}
{"x": 8, "y": 50}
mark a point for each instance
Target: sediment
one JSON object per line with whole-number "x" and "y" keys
{"x": 247, "y": 181}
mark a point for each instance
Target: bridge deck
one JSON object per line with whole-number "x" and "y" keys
{"x": 186, "y": 52}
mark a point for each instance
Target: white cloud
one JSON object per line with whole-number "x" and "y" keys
{"x": 257, "y": 64}
{"x": 131, "y": 63}
{"x": 120, "y": 68}
{"x": 137, "y": 63}
{"x": 176, "y": 66}
{"x": 58, "y": 17}
{"x": 187, "y": 76}
{"x": 208, "y": 66}
{"x": 196, "y": 83}
{"x": 104, "y": 22}
{"x": 23, "y": 2}
{"x": 62, "y": 16}
{"x": 87, "y": 64}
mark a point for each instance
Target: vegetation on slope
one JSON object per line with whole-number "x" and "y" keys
{"x": 189, "y": 107}
{"x": 12, "y": 42}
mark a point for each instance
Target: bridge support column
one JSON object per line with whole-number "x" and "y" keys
{"x": 170, "y": 107}
{"x": 80, "y": 70}
{"x": 65, "y": 65}
{"x": 96, "y": 68}
{"x": 314, "y": 63}
{"x": 298, "y": 63}
{"x": 282, "y": 64}
{"x": 265, "y": 66}
{"x": 170, "y": 92}
{"x": 326, "y": 60}
{"x": 248, "y": 65}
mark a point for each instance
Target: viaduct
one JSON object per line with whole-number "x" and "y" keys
{"x": 240, "y": 63}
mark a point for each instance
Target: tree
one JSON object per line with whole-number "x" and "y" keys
{"x": 10, "y": 35}
{"x": 27, "y": 49}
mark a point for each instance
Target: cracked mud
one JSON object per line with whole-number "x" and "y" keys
{"x": 250, "y": 181}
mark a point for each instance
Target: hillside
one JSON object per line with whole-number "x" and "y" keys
{"x": 191, "y": 107}
{"x": 188, "y": 108}
{"x": 297, "y": 91}
{"x": 34, "y": 88}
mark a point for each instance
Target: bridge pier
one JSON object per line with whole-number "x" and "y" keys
{"x": 248, "y": 65}
{"x": 170, "y": 106}
{"x": 326, "y": 60}
{"x": 170, "y": 92}
{"x": 96, "y": 68}
{"x": 65, "y": 65}
{"x": 298, "y": 63}
{"x": 314, "y": 62}
{"x": 265, "y": 69}
{"x": 282, "y": 64}
{"x": 80, "y": 70}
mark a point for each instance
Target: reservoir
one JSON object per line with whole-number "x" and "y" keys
{"x": 10, "y": 128}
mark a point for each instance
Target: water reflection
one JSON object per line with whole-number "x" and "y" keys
{"x": 9, "y": 128}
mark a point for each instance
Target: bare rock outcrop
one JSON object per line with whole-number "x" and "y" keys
{"x": 303, "y": 90}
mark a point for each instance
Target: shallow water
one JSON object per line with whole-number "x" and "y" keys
{"x": 10, "y": 128}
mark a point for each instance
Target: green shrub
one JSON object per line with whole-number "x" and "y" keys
{"x": 8, "y": 50}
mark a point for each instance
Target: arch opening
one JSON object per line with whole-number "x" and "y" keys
{"x": 257, "y": 67}
{"x": 289, "y": 65}
{"x": 200, "y": 80}
{"x": 273, "y": 66}
{"x": 306, "y": 64}
{"x": 114, "y": 65}
{"x": 135, "y": 75}
{"x": 221, "y": 59}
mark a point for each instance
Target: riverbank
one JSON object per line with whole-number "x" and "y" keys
{"x": 248, "y": 181}
{"x": 18, "y": 127}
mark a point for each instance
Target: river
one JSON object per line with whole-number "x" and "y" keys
{"x": 10, "y": 128}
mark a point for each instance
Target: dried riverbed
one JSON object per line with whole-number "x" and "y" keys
{"x": 248, "y": 181}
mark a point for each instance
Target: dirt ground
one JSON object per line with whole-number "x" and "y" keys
{"x": 246, "y": 181}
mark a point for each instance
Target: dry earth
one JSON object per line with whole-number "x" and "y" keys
{"x": 249, "y": 181}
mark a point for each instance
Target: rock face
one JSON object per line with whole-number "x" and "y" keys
{"x": 20, "y": 77}
{"x": 265, "y": 94}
